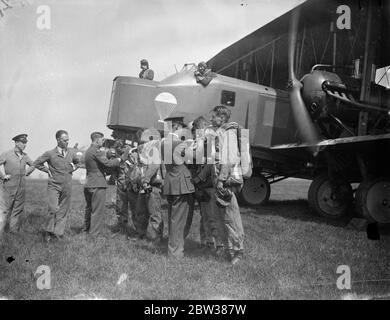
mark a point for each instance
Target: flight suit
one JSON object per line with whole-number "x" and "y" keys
{"x": 205, "y": 77}
{"x": 178, "y": 188}
{"x": 212, "y": 226}
{"x": 127, "y": 190}
{"x": 59, "y": 187}
{"x": 205, "y": 209}
{"x": 95, "y": 187}
{"x": 149, "y": 211}
{"x": 13, "y": 190}
{"x": 147, "y": 74}
{"x": 227, "y": 170}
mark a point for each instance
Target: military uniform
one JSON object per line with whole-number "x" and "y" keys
{"x": 59, "y": 188}
{"x": 178, "y": 188}
{"x": 95, "y": 187}
{"x": 13, "y": 191}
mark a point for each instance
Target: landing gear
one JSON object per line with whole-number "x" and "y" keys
{"x": 256, "y": 191}
{"x": 373, "y": 200}
{"x": 329, "y": 202}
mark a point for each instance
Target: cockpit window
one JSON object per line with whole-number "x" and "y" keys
{"x": 228, "y": 98}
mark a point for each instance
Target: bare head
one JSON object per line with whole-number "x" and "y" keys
{"x": 200, "y": 123}
{"x": 220, "y": 115}
{"x": 62, "y": 138}
{"x": 97, "y": 138}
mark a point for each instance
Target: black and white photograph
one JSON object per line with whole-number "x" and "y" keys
{"x": 213, "y": 152}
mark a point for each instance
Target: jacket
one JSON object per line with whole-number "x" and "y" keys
{"x": 96, "y": 164}
{"x": 15, "y": 167}
{"x": 147, "y": 74}
{"x": 177, "y": 180}
{"x": 60, "y": 167}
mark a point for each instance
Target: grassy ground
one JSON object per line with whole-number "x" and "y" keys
{"x": 289, "y": 254}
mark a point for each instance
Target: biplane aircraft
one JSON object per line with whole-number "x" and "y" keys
{"x": 331, "y": 126}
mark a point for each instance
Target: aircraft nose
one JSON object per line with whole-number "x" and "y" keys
{"x": 165, "y": 103}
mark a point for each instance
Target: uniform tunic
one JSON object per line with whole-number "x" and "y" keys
{"x": 178, "y": 187}
{"x": 95, "y": 187}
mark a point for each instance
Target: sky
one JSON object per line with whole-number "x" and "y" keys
{"x": 61, "y": 78}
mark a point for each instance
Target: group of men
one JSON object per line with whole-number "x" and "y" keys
{"x": 140, "y": 186}
{"x": 60, "y": 162}
{"x": 143, "y": 171}
{"x": 179, "y": 168}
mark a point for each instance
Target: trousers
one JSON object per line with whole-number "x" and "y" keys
{"x": 178, "y": 207}
{"x": 94, "y": 210}
{"x": 59, "y": 200}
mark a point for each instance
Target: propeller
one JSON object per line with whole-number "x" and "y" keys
{"x": 306, "y": 129}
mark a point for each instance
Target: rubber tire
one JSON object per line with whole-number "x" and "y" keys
{"x": 249, "y": 184}
{"x": 313, "y": 198}
{"x": 361, "y": 199}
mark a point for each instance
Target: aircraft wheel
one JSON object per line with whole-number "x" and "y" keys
{"x": 327, "y": 203}
{"x": 255, "y": 191}
{"x": 373, "y": 200}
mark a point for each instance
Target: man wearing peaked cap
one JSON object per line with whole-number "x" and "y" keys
{"x": 178, "y": 188}
{"x": 20, "y": 137}
{"x": 12, "y": 195}
{"x": 96, "y": 164}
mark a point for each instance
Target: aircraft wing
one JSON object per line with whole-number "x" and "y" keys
{"x": 331, "y": 142}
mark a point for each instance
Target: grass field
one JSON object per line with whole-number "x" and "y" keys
{"x": 289, "y": 254}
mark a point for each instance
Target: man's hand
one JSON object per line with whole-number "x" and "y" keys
{"x": 145, "y": 185}
{"x": 126, "y": 152}
{"x": 220, "y": 184}
{"x": 75, "y": 166}
{"x": 30, "y": 170}
{"x": 196, "y": 180}
{"x": 7, "y": 177}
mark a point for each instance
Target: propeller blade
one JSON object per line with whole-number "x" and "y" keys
{"x": 306, "y": 129}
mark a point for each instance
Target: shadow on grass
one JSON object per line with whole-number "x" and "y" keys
{"x": 297, "y": 210}
{"x": 76, "y": 229}
{"x": 191, "y": 248}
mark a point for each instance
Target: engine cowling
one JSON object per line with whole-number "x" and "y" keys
{"x": 312, "y": 92}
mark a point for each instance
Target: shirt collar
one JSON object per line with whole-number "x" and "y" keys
{"x": 59, "y": 150}
{"x": 18, "y": 152}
